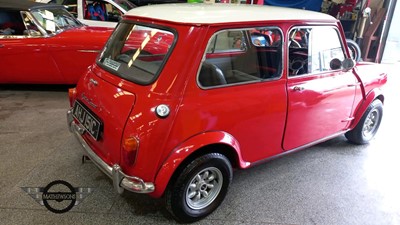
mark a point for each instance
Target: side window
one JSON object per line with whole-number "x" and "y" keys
{"x": 323, "y": 52}
{"x": 227, "y": 41}
{"x": 11, "y": 23}
{"x": 101, "y": 11}
{"x": 314, "y": 50}
{"x": 72, "y": 7}
{"x": 31, "y": 28}
{"x": 242, "y": 56}
{"x": 113, "y": 14}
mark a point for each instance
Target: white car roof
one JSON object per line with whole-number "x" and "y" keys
{"x": 205, "y": 13}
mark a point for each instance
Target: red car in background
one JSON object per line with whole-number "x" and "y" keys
{"x": 44, "y": 44}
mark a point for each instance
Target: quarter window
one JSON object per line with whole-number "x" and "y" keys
{"x": 227, "y": 41}
{"x": 31, "y": 28}
{"x": 241, "y": 56}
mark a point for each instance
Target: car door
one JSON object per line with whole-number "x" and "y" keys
{"x": 241, "y": 92}
{"x": 320, "y": 92}
{"x": 24, "y": 54}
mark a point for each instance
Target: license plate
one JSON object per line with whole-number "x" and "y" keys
{"x": 88, "y": 120}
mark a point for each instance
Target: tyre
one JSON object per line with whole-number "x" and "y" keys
{"x": 355, "y": 50}
{"x": 199, "y": 188}
{"x": 368, "y": 124}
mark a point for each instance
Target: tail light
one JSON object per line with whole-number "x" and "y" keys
{"x": 130, "y": 147}
{"x": 72, "y": 96}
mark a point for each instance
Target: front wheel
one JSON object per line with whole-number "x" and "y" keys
{"x": 368, "y": 124}
{"x": 199, "y": 188}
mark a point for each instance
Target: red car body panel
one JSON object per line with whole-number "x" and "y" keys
{"x": 252, "y": 121}
{"x": 102, "y": 105}
{"x": 188, "y": 147}
{"x": 371, "y": 84}
{"x": 142, "y": 114}
{"x": 74, "y": 50}
{"x": 58, "y": 59}
{"x": 319, "y": 106}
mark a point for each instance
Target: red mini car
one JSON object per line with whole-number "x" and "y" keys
{"x": 182, "y": 94}
{"x": 44, "y": 44}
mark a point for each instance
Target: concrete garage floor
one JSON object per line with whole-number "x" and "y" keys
{"x": 332, "y": 183}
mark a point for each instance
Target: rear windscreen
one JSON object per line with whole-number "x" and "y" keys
{"x": 136, "y": 52}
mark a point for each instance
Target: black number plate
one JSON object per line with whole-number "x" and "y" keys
{"x": 91, "y": 124}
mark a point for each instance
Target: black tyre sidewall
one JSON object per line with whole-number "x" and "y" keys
{"x": 176, "y": 194}
{"x": 356, "y": 135}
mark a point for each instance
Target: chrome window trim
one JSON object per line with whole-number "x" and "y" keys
{"x": 5, "y": 37}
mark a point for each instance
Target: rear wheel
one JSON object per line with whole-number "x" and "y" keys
{"x": 368, "y": 124}
{"x": 199, "y": 188}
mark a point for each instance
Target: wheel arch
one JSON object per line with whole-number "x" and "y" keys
{"x": 370, "y": 97}
{"x": 196, "y": 146}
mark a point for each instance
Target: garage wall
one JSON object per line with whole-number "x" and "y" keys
{"x": 314, "y": 5}
{"x": 391, "y": 52}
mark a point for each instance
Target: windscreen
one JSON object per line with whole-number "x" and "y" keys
{"x": 54, "y": 20}
{"x": 136, "y": 52}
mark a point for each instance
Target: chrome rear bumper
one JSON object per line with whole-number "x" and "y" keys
{"x": 120, "y": 180}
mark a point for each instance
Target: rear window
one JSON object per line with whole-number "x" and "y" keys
{"x": 136, "y": 52}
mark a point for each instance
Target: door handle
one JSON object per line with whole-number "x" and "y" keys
{"x": 1, "y": 45}
{"x": 353, "y": 85}
{"x": 298, "y": 88}
{"x": 93, "y": 81}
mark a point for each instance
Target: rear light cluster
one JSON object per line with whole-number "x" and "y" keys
{"x": 72, "y": 96}
{"x": 130, "y": 147}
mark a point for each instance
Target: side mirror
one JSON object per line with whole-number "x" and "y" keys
{"x": 348, "y": 64}
{"x": 335, "y": 64}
